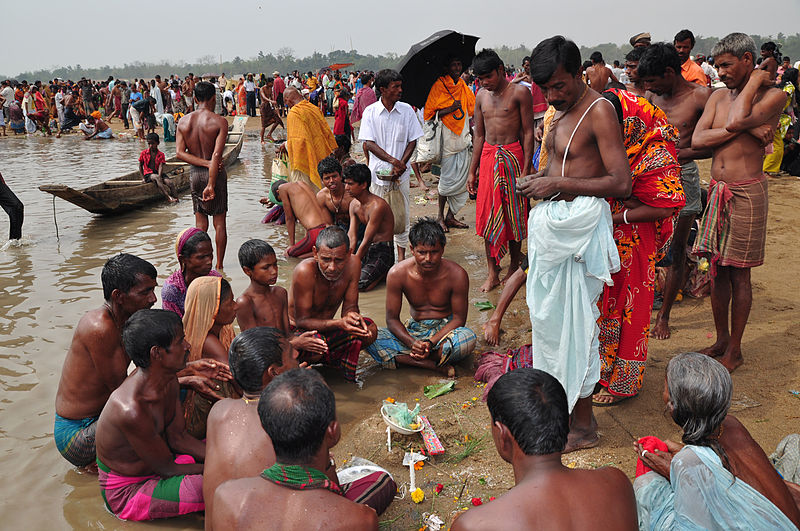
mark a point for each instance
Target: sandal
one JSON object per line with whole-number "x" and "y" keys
{"x": 606, "y": 403}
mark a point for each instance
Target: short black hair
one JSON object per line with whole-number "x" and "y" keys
{"x": 365, "y": 77}
{"x": 684, "y": 34}
{"x": 146, "y": 329}
{"x": 253, "y": 251}
{"x": 656, "y": 58}
{"x": 426, "y": 231}
{"x": 486, "y": 61}
{"x": 296, "y": 409}
{"x": 343, "y": 142}
{"x": 533, "y": 406}
{"x": 358, "y": 173}
{"x": 122, "y": 272}
{"x": 329, "y": 165}
{"x": 194, "y": 241}
{"x": 332, "y": 237}
{"x": 153, "y": 137}
{"x": 596, "y": 57}
{"x": 225, "y": 289}
{"x": 386, "y": 77}
{"x": 635, "y": 54}
{"x": 552, "y": 53}
{"x": 251, "y": 354}
{"x": 204, "y": 91}
{"x": 769, "y": 46}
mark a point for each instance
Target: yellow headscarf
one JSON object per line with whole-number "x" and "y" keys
{"x": 201, "y": 307}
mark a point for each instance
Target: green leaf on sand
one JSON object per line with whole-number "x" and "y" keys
{"x": 432, "y": 391}
{"x": 484, "y": 305}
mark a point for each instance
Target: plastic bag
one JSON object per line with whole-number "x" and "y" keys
{"x": 398, "y": 205}
{"x": 429, "y": 145}
{"x": 400, "y": 415}
{"x": 280, "y": 168}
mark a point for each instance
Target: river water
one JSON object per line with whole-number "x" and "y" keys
{"x": 49, "y": 283}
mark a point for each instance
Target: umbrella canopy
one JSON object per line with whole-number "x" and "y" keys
{"x": 424, "y": 62}
{"x": 339, "y": 66}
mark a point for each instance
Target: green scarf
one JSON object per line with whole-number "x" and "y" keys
{"x": 299, "y": 478}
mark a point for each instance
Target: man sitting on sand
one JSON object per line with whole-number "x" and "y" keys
{"x": 97, "y": 128}
{"x": 436, "y": 288}
{"x": 319, "y": 286}
{"x": 299, "y": 204}
{"x": 236, "y": 445}
{"x": 375, "y": 250}
{"x": 301, "y": 490}
{"x": 151, "y": 167}
{"x": 530, "y": 423}
{"x": 142, "y": 428}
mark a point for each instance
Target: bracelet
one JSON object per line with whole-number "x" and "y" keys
{"x": 625, "y": 217}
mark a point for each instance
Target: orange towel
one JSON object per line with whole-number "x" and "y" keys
{"x": 443, "y": 93}
{"x": 309, "y": 139}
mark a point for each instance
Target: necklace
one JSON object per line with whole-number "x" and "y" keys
{"x": 335, "y": 206}
{"x": 248, "y": 400}
{"x": 583, "y": 95}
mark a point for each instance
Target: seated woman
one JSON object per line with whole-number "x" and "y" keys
{"x": 195, "y": 254}
{"x": 207, "y": 323}
{"x": 721, "y": 478}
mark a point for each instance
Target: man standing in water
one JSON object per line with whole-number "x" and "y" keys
{"x": 14, "y": 208}
{"x": 571, "y": 249}
{"x": 200, "y": 142}
{"x": 96, "y": 363}
{"x": 683, "y": 103}
{"x": 737, "y": 123}
{"x": 503, "y": 139}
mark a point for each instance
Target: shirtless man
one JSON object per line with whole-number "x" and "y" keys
{"x": 298, "y": 413}
{"x": 584, "y": 137}
{"x": 503, "y": 137}
{"x": 375, "y": 251}
{"x": 319, "y": 286}
{"x": 435, "y": 337}
{"x": 768, "y": 61}
{"x": 530, "y": 421}
{"x": 299, "y": 204}
{"x": 683, "y": 102}
{"x": 737, "y": 123}
{"x": 200, "y": 142}
{"x": 96, "y": 363}
{"x": 97, "y": 127}
{"x": 186, "y": 91}
{"x": 632, "y": 71}
{"x": 236, "y": 444}
{"x": 333, "y": 197}
{"x": 598, "y": 75}
{"x": 141, "y": 427}
{"x": 269, "y": 116}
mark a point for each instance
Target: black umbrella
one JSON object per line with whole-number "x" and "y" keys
{"x": 424, "y": 62}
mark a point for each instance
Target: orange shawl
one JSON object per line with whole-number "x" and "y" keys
{"x": 201, "y": 306}
{"x": 443, "y": 93}
{"x": 309, "y": 139}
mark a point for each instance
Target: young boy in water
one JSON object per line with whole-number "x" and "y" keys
{"x": 263, "y": 303}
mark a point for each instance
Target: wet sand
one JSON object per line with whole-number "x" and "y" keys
{"x": 47, "y": 286}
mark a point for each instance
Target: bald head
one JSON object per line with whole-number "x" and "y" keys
{"x": 292, "y": 96}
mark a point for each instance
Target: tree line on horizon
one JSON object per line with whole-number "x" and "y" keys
{"x": 284, "y": 61}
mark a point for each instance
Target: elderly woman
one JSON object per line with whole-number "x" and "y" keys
{"x": 194, "y": 251}
{"x": 721, "y": 478}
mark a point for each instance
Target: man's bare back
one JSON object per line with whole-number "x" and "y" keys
{"x": 96, "y": 364}
{"x": 564, "y": 499}
{"x": 303, "y": 205}
{"x": 255, "y": 503}
{"x": 236, "y": 447}
{"x": 598, "y": 76}
{"x": 201, "y": 131}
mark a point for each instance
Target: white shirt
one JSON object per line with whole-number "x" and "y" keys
{"x": 8, "y": 94}
{"x": 710, "y": 71}
{"x": 249, "y": 86}
{"x": 392, "y": 131}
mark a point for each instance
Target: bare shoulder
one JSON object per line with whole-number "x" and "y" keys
{"x": 357, "y": 517}
{"x": 304, "y": 270}
{"x": 453, "y": 267}
{"x": 245, "y": 300}
{"x": 219, "y": 411}
{"x": 400, "y": 270}
{"x": 611, "y": 476}
{"x": 97, "y": 324}
{"x": 480, "y": 518}
{"x": 520, "y": 91}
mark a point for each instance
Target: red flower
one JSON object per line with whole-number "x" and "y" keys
{"x": 476, "y": 501}
{"x": 491, "y": 498}
{"x": 439, "y": 488}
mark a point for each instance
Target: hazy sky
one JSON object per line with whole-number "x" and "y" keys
{"x": 97, "y": 33}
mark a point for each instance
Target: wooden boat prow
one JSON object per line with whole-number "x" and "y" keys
{"x": 129, "y": 192}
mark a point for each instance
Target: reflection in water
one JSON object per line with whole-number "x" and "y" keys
{"x": 48, "y": 286}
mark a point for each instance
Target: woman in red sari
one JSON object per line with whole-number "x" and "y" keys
{"x": 241, "y": 96}
{"x": 642, "y": 230}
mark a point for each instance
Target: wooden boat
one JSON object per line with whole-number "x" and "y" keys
{"x": 129, "y": 192}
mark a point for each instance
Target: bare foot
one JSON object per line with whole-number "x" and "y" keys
{"x": 492, "y": 282}
{"x": 89, "y": 469}
{"x": 451, "y": 221}
{"x": 442, "y": 224}
{"x": 581, "y": 440}
{"x": 604, "y": 398}
{"x": 715, "y": 350}
{"x": 660, "y": 329}
{"x": 732, "y": 360}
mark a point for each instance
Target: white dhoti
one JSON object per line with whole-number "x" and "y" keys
{"x": 456, "y": 158}
{"x": 572, "y": 254}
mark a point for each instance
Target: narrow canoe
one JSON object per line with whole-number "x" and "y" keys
{"x": 129, "y": 192}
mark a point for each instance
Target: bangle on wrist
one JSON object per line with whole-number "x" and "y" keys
{"x": 625, "y": 216}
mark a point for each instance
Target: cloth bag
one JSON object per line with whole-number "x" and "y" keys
{"x": 398, "y": 205}
{"x": 280, "y": 167}
{"x": 429, "y": 145}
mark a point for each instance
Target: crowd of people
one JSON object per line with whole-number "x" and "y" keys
{"x": 241, "y": 426}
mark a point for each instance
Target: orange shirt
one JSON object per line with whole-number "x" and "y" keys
{"x": 691, "y": 71}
